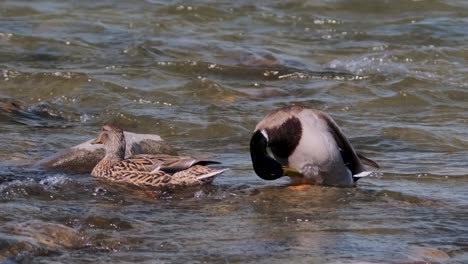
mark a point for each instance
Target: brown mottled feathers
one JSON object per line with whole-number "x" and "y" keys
{"x": 151, "y": 170}
{"x": 156, "y": 170}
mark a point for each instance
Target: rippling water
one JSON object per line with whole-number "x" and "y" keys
{"x": 392, "y": 73}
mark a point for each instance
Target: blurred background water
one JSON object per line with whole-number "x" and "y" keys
{"x": 201, "y": 74}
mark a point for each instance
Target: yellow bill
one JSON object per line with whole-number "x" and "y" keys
{"x": 291, "y": 172}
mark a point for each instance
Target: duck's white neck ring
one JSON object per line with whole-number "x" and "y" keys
{"x": 264, "y": 133}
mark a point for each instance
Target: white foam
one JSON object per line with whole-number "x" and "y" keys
{"x": 370, "y": 64}
{"x": 54, "y": 180}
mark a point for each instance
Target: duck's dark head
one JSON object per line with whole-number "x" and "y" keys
{"x": 281, "y": 136}
{"x": 112, "y": 137}
{"x": 265, "y": 166}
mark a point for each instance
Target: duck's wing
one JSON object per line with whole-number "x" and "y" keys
{"x": 138, "y": 163}
{"x": 142, "y": 178}
{"x": 172, "y": 164}
{"x": 196, "y": 174}
{"x": 351, "y": 159}
{"x": 367, "y": 161}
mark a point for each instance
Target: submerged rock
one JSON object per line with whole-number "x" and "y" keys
{"x": 37, "y": 238}
{"x": 49, "y": 235}
{"x": 427, "y": 254}
{"x": 83, "y": 157}
{"x": 11, "y": 106}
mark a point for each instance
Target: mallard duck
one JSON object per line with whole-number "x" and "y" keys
{"x": 82, "y": 158}
{"x": 152, "y": 170}
{"x": 307, "y": 145}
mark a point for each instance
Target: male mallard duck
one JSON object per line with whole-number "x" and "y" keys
{"x": 307, "y": 145}
{"x": 152, "y": 170}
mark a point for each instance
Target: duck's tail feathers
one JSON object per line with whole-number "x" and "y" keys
{"x": 362, "y": 174}
{"x": 206, "y": 162}
{"x": 367, "y": 161}
{"x": 210, "y": 175}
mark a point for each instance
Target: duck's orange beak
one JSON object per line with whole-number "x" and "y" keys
{"x": 98, "y": 140}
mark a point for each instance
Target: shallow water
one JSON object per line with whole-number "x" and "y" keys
{"x": 201, "y": 75}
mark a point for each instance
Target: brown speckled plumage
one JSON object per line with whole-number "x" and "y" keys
{"x": 151, "y": 170}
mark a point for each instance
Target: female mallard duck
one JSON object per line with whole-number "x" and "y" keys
{"x": 152, "y": 170}
{"x": 307, "y": 145}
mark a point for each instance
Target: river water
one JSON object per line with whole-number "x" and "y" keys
{"x": 393, "y": 74}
